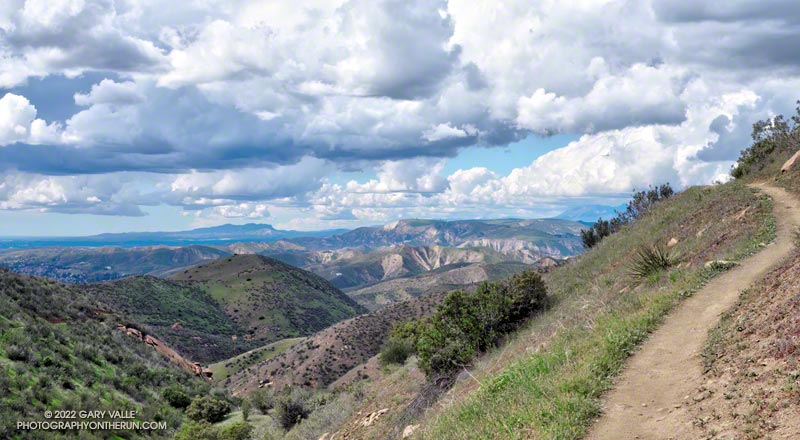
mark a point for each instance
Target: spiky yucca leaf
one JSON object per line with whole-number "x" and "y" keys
{"x": 649, "y": 260}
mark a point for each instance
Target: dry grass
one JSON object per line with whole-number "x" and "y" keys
{"x": 752, "y": 362}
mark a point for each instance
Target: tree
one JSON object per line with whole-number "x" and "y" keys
{"x": 176, "y": 397}
{"x": 208, "y": 408}
{"x": 245, "y": 409}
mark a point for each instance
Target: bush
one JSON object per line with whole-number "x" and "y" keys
{"x": 291, "y": 408}
{"x": 468, "y": 323}
{"x": 208, "y": 408}
{"x": 528, "y": 293}
{"x": 396, "y": 351}
{"x": 201, "y": 430}
{"x": 245, "y": 409}
{"x": 770, "y": 136}
{"x": 236, "y": 431}
{"x": 263, "y": 399}
{"x": 176, "y": 397}
{"x": 649, "y": 260}
{"x": 640, "y": 203}
{"x": 17, "y": 353}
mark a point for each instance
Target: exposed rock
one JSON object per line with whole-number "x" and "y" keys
{"x": 409, "y": 430}
{"x": 373, "y": 416}
{"x": 672, "y": 242}
{"x": 177, "y": 326}
{"x": 173, "y": 356}
{"x": 790, "y": 163}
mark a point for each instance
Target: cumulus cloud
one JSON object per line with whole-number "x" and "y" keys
{"x": 99, "y": 195}
{"x": 240, "y": 108}
{"x": 18, "y": 123}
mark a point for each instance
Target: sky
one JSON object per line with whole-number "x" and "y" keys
{"x": 121, "y": 115}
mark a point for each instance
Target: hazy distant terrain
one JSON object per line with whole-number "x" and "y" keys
{"x": 349, "y": 260}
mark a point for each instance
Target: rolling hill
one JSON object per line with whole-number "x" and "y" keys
{"x": 183, "y": 315}
{"x": 91, "y": 264}
{"x": 324, "y": 357}
{"x": 445, "y": 278}
{"x": 269, "y": 300}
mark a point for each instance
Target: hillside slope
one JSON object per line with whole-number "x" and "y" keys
{"x": 751, "y": 387}
{"x": 327, "y": 355}
{"x": 350, "y": 268}
{"x": 58, "y": 351}
{"x": 270, "y": 300}
{"x": 668, "y": 367}
{"x": 182, "y": 314}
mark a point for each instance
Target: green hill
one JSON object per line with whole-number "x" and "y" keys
{"x": 182, "y": 314}
{"x": 59, "y": 351}
{"x": 269, "y": 300}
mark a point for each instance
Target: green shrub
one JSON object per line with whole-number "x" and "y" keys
{"x": 236, "y": 431}
{"x": 263, "y": 399}
{"x": 649, "y": 260}
{"x": 469, "y": 323}
{"x": 245, "y": 409}
{"x": 396, "y": 351}
{"x": 640, "y": 203}
{"x": 201, "y": 430}
{"x": 208, "y": 408}
{"x": 176, "y": 397}
{"x": 291, "y": 407}
{"x": 770, "y": 136}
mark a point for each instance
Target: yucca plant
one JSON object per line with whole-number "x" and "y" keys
{"x": 649, "y": 260}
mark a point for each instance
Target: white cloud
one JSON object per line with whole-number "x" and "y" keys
{"x": 18, "y": 122}
{"x": 266, "y": 99}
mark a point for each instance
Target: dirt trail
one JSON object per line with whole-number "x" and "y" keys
{"x": 649, "y": 400}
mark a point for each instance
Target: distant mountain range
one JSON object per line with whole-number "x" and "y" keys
{"x": 211, "y": 235}
{"x": 349, "y": 260}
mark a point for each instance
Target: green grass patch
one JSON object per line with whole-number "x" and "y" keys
{"x": 224, "y": 369}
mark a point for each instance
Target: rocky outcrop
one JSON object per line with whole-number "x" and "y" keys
{"x": 790, "y": 163}
{"x": 159, "y": 346}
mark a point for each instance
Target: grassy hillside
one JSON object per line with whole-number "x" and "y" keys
{"x": 555, "y": 392}
{"x": 203, "y": 332}
{"x": 270, "y": 300}
{"x": 91, "y": 264}
{"x": 329, "y": 354}
{"x": 228, "y": 367}
{"x": 59, "y": 352}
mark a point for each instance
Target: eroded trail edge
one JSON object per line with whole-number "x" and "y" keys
{"x": 649, "y": 400}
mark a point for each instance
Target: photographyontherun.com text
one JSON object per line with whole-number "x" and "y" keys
{"x": 101, "y": 420}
